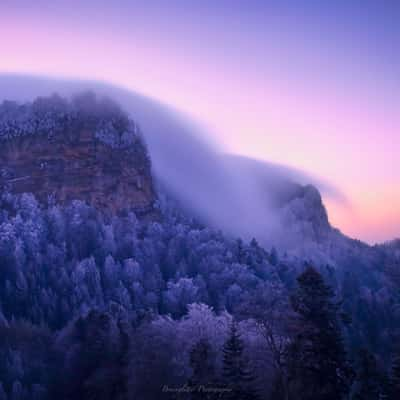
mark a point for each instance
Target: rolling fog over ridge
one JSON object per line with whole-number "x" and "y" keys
{"x": 199, "y": 200}
{"x": 106, "y": 290}
{"x": 229, "y": 192}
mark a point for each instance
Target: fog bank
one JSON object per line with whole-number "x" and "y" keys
{"x": 234, "y": 194}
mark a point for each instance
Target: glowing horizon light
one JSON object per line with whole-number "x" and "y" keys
{"x": 313, "y": 87}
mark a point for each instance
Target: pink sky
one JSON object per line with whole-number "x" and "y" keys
{"x": 326, "y": 104}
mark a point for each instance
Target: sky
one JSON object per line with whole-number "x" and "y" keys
{"x": 310, "y": 84}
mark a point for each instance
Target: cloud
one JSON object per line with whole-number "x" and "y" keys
{"x": 232, "y": 193}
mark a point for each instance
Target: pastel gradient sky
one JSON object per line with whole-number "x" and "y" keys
{"x": 311, "y": 84}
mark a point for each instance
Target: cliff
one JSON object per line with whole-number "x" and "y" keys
{"x": 81, "y": 149}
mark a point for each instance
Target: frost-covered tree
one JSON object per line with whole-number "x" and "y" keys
{"x": 116, "y": 307}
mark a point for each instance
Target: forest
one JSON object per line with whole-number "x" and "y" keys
{"x": 100, "y": 306}
{"x": 94, "y": 307}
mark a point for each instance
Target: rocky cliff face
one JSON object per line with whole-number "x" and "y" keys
{"x": 304, "y": 210}
{"x": 84, "y": 149}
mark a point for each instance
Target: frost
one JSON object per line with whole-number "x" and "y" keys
{"x": 54, "y": 115}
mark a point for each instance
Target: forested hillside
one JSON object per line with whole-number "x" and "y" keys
{"x": 99, "y": 305}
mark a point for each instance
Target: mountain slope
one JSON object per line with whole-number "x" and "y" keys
{"x": 93, "y": 306}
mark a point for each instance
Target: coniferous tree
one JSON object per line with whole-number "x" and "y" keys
{"x": 273, "y": 256}
{"x": 395, "y": 379}
{"x": 201, "y": 362}
{"x": 94, "y": 367}
{"x": 203, "y": 375}
{"x": 236, "y": 372}
{"x": 319, "y": 368}
{"x": 17, "y": 392}
{"x": 370, "y": 382}
{"x": 3, "y": 395}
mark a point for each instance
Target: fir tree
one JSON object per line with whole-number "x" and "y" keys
{"x": 236, "y": 372}
{"x": 3, "y": 395}
{"x": 202, "y": 365}
{"x": 318, "y": 363}
{"x": 370, "y": 383}
{"x": 395, "y": 379}
{"x": 201, "y": 362}
{"x": 273, "y": 257}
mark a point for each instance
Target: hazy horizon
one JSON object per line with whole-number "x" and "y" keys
{"x": 313, "y": 87}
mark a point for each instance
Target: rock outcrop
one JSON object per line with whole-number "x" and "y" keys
{"x": 304, "y": 210}
{"x": 84, "y": 149}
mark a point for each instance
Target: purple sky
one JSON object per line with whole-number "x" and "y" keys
{"x": 315, "y": 86}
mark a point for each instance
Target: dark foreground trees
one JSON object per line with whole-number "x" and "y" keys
{"x": 371, "y": 382}
{"x": 92, "y": 307}
{"x": 236, "y": 371}
{"x": 394, "y": 384}
{"x": 318, "y": 365}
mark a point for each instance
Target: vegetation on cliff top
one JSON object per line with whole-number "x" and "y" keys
{"x": 56, "y": 115}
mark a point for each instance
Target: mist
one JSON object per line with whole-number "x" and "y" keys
{"x": 235, "y": 194}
